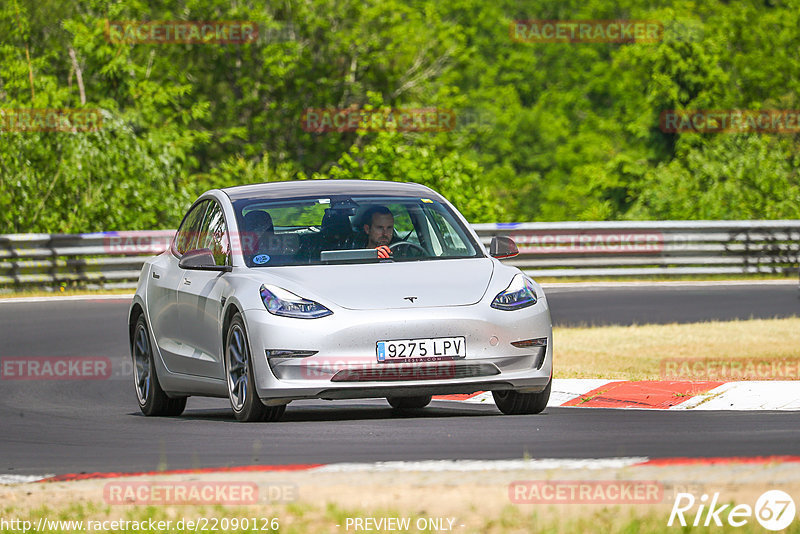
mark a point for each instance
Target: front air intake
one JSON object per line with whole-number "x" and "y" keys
{"x": 399, "y": 372}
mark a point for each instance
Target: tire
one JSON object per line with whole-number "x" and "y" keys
{"x": 409, "y": 403}
{"x": 515, "y": 403}
{"x": 151, "y": 398}
{"x": 246, "y": 405}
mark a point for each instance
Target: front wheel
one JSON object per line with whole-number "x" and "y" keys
{"x": 247, "y": 407}
{"x": 409, "y": 403}
{"x": 515, "y": 403}
{"x": 152, "y": 399}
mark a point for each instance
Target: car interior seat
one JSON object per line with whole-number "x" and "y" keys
{"x": 336, "y": 230}
{"x": 258, "y": 229}
{"x": 336, "y": 233}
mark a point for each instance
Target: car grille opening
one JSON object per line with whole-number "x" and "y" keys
{"x": 397, "y": 372}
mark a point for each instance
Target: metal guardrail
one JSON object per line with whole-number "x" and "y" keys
{"x": 565, "y": 249}
{"x": 108, "y": 260}
{"x": 641, "y": 248}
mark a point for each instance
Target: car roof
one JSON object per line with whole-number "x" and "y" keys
{"x": 312, "y": 188}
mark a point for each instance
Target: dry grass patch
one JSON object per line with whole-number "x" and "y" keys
{"x": 637, "y": 352}
{"x": 477, "y": 501}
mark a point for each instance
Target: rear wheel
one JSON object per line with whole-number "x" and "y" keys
{"x": 409, "y": 403}
{"x": 515, "y": 403}
{"x": 247, "y": 407}
{"x": 152, "y": 399}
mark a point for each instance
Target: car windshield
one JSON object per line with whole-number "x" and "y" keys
{"x": 298, "y": 231}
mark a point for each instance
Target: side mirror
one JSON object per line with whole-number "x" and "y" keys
{"x": 503, "y": 247}
{"x": 201, "y": 259}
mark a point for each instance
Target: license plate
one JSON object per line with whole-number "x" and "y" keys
{"x": 422, "y": 350}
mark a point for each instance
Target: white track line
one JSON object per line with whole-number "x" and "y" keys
{"x": 750, "y": 395}
{"x": 733, "y": 396}
{"x": 564, "y": 390}
{"x": 21, "y": 479}
{"x": 567, "y": 389}
{"x": 482, "y": 465}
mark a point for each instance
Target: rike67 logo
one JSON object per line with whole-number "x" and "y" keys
{"x": 774, "y": 510}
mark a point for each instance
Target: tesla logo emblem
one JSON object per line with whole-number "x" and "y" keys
{"x": 410, "y": 299}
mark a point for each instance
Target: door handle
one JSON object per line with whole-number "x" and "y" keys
{"x": 156, "y": 275}
{"x": 187, "y": 281}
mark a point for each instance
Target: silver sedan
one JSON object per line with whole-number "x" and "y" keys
{"x": 335, "y": 289}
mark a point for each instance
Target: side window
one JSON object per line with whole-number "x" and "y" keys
{"x": 214, "y": 234}
{"x": 418, "y": 221}
{"x": 434, "y": 237}
{"x": 452, "y": 242}
{"x": 186, "y": 238}
{"x": 444, "y": 229}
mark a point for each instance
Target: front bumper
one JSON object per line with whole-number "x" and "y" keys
{"x": 344, "y": 365}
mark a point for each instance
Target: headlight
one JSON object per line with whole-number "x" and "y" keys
{"x": 519, "y": 294}
{"x": 278, "y": 301}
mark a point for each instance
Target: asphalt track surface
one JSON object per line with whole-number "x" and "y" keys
{"x": 86, "y": 426}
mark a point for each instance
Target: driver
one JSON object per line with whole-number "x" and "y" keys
{"x": 379, "y": 230}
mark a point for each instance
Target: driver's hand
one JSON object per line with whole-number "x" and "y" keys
{"x": 384, "y": 252}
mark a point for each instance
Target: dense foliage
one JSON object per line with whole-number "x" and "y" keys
{"x": 544, "y": 131}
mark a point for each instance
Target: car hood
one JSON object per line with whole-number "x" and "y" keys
{"x": 378, "y": 286}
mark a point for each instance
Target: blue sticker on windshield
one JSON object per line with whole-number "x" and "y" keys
{"x": 261, "y": 259}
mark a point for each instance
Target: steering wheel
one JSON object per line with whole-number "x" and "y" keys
{"x": 408, "y": 244}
